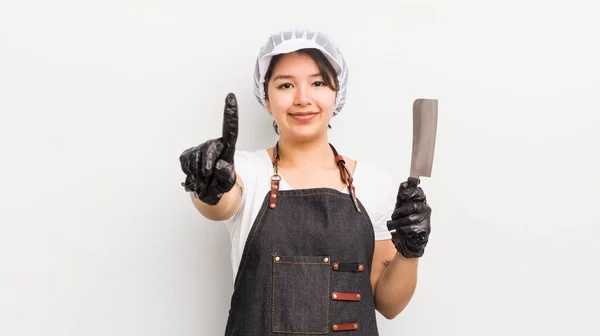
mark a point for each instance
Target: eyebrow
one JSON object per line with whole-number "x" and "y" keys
{"x": 290, "y": 76}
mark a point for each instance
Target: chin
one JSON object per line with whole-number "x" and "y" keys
{"x": 305, "y": 132}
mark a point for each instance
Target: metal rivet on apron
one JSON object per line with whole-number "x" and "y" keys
{"x": 326, "y": 259}
{"x": 361, "y": 267}
{"x": 272, "y": 205}
{"x": 334, "y": 296}
{"x": 358, "y": 296}
{"x": 336, "y": 266}
{"x": 355, "y": 326}
{"x": 335, "y": 327}
{"x": 277, "y": 258}
{"x": 273, "y": 195}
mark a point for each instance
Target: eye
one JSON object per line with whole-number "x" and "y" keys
{"x": 285, "y": 86}
{"x": 319, "y": 83}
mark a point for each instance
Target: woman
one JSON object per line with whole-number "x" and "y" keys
{"x": 312, "y": 253}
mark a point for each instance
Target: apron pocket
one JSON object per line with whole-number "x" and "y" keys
{"x": 300, "y": 298}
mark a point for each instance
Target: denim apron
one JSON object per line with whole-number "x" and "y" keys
{"x": 306, "y": 265}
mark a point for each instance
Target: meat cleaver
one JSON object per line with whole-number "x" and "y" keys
{"x": 425, "y": 116}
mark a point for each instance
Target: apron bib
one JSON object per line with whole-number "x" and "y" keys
{"x": 306, "y": 265}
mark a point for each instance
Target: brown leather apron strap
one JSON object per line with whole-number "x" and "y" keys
{"x": 345, "y": 175}
{"x": 275, "y": 179}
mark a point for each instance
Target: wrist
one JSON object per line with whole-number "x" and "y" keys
{"x": 401, "y": 259}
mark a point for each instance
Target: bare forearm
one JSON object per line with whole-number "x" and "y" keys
{"x": 396, "y": 286}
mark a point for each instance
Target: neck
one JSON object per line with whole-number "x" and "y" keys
{"x": 313, "y": 154}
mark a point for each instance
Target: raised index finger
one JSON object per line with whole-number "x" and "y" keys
{"x": 230, "y": 127}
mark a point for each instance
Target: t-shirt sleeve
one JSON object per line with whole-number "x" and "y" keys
{"x": 385, "y": 212}
{"x": 382, "y": 192}
{"x": 246, "y": 171}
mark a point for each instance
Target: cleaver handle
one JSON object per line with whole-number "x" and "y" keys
{"x": 413, "y": 182}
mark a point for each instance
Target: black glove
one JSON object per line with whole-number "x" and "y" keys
{"x": 410, "y": 220}
{"x": 209, "y": 166}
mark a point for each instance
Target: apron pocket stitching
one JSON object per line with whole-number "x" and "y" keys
{"x": 296, "y": 282}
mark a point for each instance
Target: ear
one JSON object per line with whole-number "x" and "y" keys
{"x": 268, "y": 105}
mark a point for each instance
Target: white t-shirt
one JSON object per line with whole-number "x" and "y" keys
{"x": 374, "y": 188}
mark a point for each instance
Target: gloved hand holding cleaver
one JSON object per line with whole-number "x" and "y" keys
{"x": 410, "y": 222}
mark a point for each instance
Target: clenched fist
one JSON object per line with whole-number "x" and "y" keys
{"x": 209, "y": 166}
{"x": 410, "y": 222}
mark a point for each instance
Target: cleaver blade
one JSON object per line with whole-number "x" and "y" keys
{"x": 425, "y": 116}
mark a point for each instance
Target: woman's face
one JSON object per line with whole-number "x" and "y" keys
{"x": 298, "y": 98}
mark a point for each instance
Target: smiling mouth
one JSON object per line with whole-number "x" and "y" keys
{"x": 302, "y": 114}
{"x": 304, "y": 117}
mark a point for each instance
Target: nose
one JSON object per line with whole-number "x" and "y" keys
{"x": 303, "y": 96}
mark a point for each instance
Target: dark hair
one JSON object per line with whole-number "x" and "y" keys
{"x": 325, "y": 68}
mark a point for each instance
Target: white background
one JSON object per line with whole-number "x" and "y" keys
{"x": 98, "y": 99}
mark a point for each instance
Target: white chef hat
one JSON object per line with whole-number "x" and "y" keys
{"x": 293, "y": 40}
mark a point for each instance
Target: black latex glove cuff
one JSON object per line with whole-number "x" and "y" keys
{"x": 410, "y": 222}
